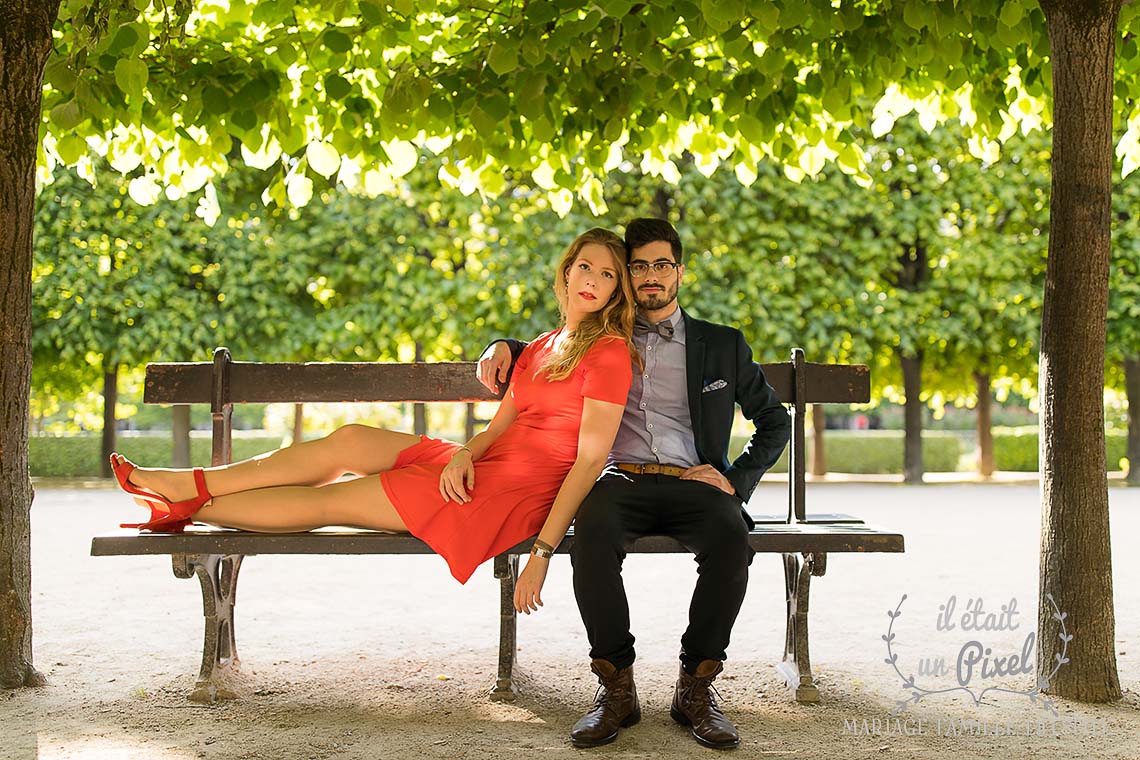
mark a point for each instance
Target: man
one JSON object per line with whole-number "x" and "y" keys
{"x": 669, "y": 475}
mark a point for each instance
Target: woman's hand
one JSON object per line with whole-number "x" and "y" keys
{"x": 528, "y": 588}
{"x": 457, "y": 474}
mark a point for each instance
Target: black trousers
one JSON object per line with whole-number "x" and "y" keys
{"x": 707, "y": 521}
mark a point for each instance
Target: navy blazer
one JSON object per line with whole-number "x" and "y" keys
{"x": 721, "y": 373}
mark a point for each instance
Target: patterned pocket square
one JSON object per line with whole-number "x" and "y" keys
{"x": 715, "y": 385}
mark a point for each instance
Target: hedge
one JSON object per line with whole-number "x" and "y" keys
{"x": 875, "y": 451}
{"x": 78, "y": 456}
{"x": 1017, "y": 449}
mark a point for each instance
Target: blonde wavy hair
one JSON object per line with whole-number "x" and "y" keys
{"x": 614, "y": 319}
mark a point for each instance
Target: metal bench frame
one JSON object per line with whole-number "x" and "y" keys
{"x": 215, "y": 556}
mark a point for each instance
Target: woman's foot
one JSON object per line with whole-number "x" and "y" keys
{"x": 173, "y": 485}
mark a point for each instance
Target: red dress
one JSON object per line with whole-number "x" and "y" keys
{"x": 519, "y": 475}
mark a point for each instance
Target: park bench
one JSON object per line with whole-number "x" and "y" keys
{"x": 215, "y": 555}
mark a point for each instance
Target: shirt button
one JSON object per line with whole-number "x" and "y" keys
{"x": 651, "y": 348}
{"x": 654, "y": 449}
{"x": 643, "y": 406}
{"x": 645, "y": 376}
{"x": 650, "y": 426}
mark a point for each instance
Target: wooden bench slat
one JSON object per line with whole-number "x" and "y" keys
{"x": 250, "y": 382}
{"x": 204, "y": 540}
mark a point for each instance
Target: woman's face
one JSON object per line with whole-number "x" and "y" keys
{"x": 592, "y": 279}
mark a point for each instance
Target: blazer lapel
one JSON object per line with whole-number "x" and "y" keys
{"x": 694, "y": 368}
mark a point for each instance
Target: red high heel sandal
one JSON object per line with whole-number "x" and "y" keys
{"x": 176, "y": 515}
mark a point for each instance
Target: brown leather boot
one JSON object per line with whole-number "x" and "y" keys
{"x": 615, "y": 706}
{"x": 694, "y": 705}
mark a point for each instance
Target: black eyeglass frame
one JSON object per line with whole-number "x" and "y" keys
{"x": 641, "y": 268}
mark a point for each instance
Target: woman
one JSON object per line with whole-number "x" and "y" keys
{"x": 525, "y": 474}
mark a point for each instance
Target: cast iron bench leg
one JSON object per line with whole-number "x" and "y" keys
{"x": 218, "y": 575}
{"x": 796, "y": 667}
{"x": 507, "y": 571}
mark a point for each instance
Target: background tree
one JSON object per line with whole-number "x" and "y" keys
{"x": 118, "y": 282}
{"x": 993, "y": 265}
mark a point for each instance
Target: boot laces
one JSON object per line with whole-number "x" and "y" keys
{"x": 611, "y": 691}
{"x": 701, "y": 691}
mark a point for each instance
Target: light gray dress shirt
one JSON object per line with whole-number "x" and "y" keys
{"x": 656, "y": 426}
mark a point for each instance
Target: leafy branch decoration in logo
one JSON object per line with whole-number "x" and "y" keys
{"x": 919, "y": 692}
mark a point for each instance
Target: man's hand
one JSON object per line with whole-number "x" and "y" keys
{"x": 706, "y": 473}
{"x": 494, "y": 365}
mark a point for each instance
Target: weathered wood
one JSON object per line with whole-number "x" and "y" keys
{"x": 765, "y": 537}
{"x": 250, "y": 383}
{"x": 110, "y": 401}
{"x": 797, "y": 461}
{"x": 180, "y": 433}
{"x": 221, "y": 408}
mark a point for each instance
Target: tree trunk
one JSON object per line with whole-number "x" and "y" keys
{"x": 298, "y": 423}
{"x": 912, "y": 445}
{"x": 1076, "y": 558}
{"x": 1132, "y": 392}
{"x": 419, "y": 411}
{"x": 180, "y": 427}
{"x": 110, "y": 401}
{"x": 25, "y": 42}
{"x": 985, "y": 425}
{"x": 818, "y": 457}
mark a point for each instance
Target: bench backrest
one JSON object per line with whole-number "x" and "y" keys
{"x": 224, "y": 382}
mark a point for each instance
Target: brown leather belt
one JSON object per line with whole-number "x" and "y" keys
{"x": 653, "y": 469}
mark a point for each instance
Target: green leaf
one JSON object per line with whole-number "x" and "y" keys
{"x": 337, "y": 87}
{"x": 67, "y": 115}
{"x": 71, "y": 148}
{"x": 915, "y": 14}
{"x": 336, "y": 41}
{"x": 503, "y": 58}
{"x": 215, "y": 100}
{"x": 1011, "y": 12}
{"x": 372, "y": 13}
{"x": 131, "y": 76}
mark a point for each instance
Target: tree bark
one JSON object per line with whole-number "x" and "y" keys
{"x": 298, "y": 423}
{"x": 912, "y": 445}
{"x": 985, "y": 425}
{"x": 180, "y": 432}
{"x": 110, "y": 401}
{"x": 1132, "y": 393}
{"x": 818, "y": 423}
{"x": 1076, "y": 559}
{"x": 25, "y": 42}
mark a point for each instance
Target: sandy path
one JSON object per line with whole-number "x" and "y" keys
{"x": 388, "y": 657}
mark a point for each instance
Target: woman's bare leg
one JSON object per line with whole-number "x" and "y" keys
{"x": 352, "y": 449}
{"x": 358, "y": 503}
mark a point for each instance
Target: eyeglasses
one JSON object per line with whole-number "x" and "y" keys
{"x": 640, "y": 268}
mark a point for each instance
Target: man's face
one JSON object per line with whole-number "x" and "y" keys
{"x": 655, "y": 289}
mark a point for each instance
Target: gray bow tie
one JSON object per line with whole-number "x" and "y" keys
{"x": 642, "y": 326}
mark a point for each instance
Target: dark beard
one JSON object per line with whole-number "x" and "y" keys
{"x": 654, "y": 301}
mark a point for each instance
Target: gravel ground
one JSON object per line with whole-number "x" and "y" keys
{"x": 387, "y": 657}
